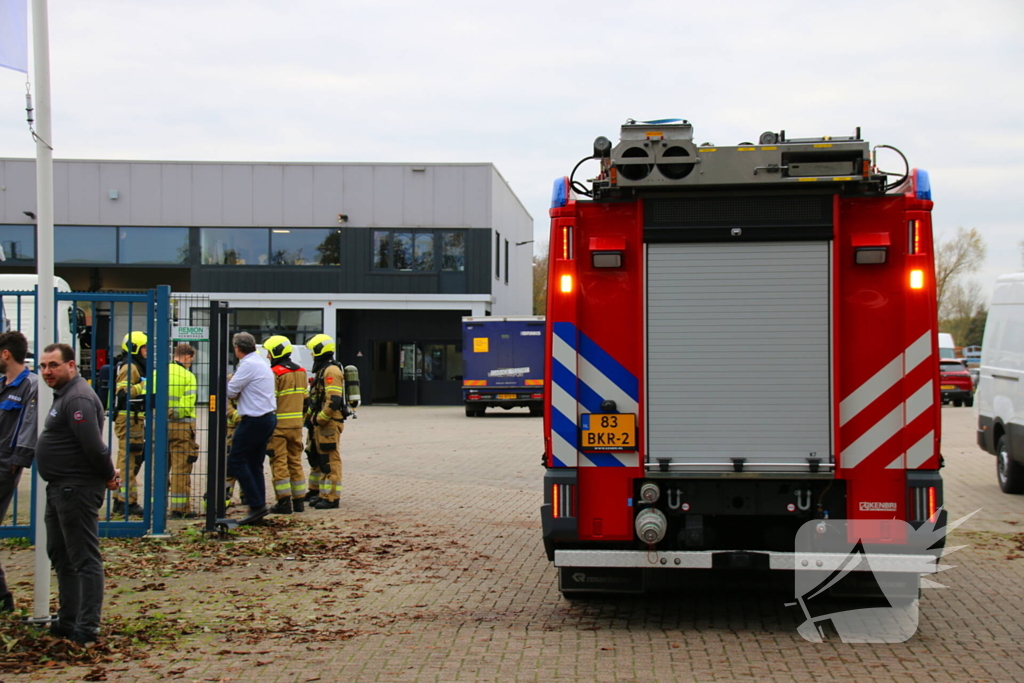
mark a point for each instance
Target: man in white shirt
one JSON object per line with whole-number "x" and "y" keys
{"x": 253, "y": 386}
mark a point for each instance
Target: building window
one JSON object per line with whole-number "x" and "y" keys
{"x": 423, "y": 251}
{"x": 453, "y": 251}
{"x": 413, "y": 251}
{"x": 79, "y": 244}
{"x": 299, "y": 325}
{"x": 292, "y": 247}
{"x": 19, "y": 244}
{"x": 506, "y": 262}
{"x": 234, "y": 246}
{"x": 497, "y": 255}
{"x": 152, "y": 246}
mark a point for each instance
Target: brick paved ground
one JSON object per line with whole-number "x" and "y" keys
{"x": 460, "y": 590}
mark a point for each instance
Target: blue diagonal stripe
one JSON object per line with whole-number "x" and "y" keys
{"x": 563, "y": 426}
{"x": 558, "y": 463}
{"x": 566, "y": 332}
{"x": 589, "y": 399}
{"x": 563, "y": 377}
{"x": 603, "y": 460}
{"x": 609, "y": 367}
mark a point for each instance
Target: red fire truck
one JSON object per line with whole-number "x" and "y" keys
{"x": 740, "y": 340}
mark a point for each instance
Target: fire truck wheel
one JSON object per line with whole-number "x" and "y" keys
{"x": 1010, "y": 473}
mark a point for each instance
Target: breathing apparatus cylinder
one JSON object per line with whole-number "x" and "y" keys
{"x": 352, "y": 385}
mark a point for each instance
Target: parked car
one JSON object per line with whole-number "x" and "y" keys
{"x": 1001, "y": 387}
{"x": 956, "y": 383}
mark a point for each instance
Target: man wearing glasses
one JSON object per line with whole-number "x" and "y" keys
{"x": 75, "y": 463}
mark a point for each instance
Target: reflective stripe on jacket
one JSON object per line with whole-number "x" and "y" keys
{"x": 290, "y": 385}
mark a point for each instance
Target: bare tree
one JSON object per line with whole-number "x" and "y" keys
{"x": 964, "y": 303}
{"x": 955, "y": 258}
{"x": 540, "y": 283}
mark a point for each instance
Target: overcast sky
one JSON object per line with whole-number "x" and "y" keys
{"x": 528, "y": 85}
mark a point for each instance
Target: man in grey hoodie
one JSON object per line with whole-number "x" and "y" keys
{"x": 18, "y": 390}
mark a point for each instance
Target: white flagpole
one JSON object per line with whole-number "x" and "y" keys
{"x": 44, "y": 261}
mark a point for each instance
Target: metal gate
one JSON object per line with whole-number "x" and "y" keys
{"x": 94, "y": 324}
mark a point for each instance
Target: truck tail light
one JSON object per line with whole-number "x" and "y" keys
{"x": 473, "y": 397}
{"x": 565, "y": 284}
{"x": 924, "y": 503}
{"x": 537, "y": 396}
{"x": 916, "y": 279}
{"x": 914, "y": 238}
{"x": 563, "y": 500}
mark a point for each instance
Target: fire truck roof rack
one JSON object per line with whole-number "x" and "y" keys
{"x": 660, "y": 155}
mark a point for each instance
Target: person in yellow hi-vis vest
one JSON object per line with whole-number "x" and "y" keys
{"x": 285, "y": 446}
{"x": 325, "y": 418}
{"x": 182, "y": 448}
{"x": 130, "y": 422}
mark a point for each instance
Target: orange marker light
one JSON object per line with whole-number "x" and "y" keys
{"x": 566, "y": 283}
{"x": 916, "y": 279}
{"x": 554, "y": 500}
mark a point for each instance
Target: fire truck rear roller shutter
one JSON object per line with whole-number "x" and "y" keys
{"x": 738, "y": 353}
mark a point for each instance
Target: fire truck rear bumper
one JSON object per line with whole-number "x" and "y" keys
{"x": 737, "y": 559}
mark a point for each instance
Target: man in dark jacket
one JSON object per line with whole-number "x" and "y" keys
{"x": 75, "y": 463}
{"x": 18, "y": 389}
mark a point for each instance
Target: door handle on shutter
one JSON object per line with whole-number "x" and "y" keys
{"x": 1012, "y": 379}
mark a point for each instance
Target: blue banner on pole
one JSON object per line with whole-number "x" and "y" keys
{"x": 14, "y": 35}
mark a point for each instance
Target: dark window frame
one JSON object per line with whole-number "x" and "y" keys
{"x": 12, "y": 261}
{"x": 272, "y": 256}
{"x": 497, "y": 255}
{"x": 437, "y": 238}
{"x": 506, "y": 262}
{"x": 188, "y": 243}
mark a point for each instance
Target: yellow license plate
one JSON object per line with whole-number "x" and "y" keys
{"x": 613, "y": 432}
{"x": 948, "y": 387}
{"x": 504, "y": 396}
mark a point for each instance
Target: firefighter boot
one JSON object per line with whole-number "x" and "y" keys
{"x": 282, "y": 507}
{"x": 322, "y": 504}
{"x": 298, "y": 505}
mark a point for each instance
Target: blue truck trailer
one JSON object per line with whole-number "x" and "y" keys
{"x": 503, "y": 363}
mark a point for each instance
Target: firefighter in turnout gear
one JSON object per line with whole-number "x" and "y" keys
{"x": 285, "y": 447}
{"x": 325, "y": 421}
{"x": 129, "y": 421}
{"x": 182, "y": 448}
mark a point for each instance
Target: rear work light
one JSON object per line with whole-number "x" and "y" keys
{"x": 563, "y": 500}
{"x": 916, "y": 279}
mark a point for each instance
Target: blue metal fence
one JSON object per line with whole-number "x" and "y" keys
{"x": 113, "y": 316}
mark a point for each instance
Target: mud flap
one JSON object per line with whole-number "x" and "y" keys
{"x": 600, "y": 580}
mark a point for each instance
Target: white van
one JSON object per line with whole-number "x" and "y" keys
{"x": 1000, "y": 397}
{"x": 19, "y": 313}
{"x": 947, "y": 349}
